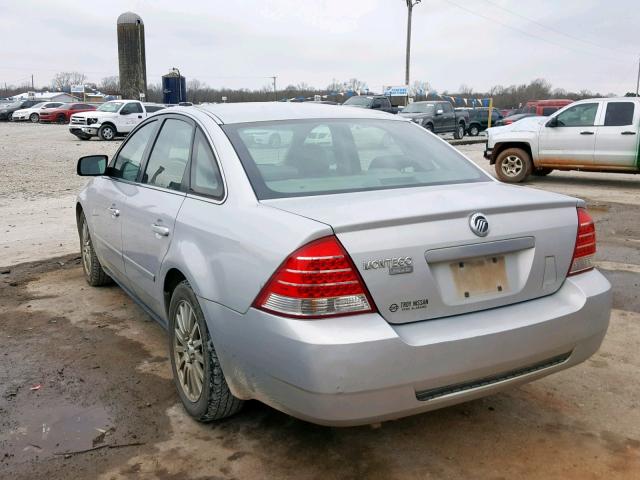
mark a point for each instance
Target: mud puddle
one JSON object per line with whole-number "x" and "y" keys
{"x": 59, "y": 429}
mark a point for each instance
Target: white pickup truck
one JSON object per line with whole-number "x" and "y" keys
{"x": 598, "y": 135}
{"x": 111, "y": 119}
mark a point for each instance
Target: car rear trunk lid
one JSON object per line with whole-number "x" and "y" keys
{"x": 420, "y": 259}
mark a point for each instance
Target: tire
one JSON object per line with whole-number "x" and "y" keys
{"x": 191, "y": 349}
{"x": 513, "y": 165}
{"x": 93, "y": 272}
{"x": 459, "y": 133}
{"x": 429, "y": 126}
{"x": 10, "y": 117}
{"x": 542, "y": 172}
{"x": 34, "y": 118}
{"x": 107, "y": 132}
{"x": 474, "y": 131}
{"x": 275, "y": 140}
{"x": 60, "y": 120}
{"x": 84, "y": 137}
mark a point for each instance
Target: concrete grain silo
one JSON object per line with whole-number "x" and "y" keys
{"x": 131, "y": 56}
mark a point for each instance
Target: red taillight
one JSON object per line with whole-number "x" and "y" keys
{"x": 585, "y": 249}
{"x": 318, "y": 280}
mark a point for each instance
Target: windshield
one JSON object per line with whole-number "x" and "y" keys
{"x": 11, "y": 104}
{"x": 315, "y": 157}
{"x": 358, "y": 101}
{"x": 39, "y": 105}
{"x": 111, "y": 107}
{"x": 419, "y": 107}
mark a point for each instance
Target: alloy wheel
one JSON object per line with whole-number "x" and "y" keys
{"x": 107, "y": 133}
{"x": 188, "y": 351}
{"x": 512, "y": 166}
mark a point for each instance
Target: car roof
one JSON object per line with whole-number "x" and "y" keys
{"x": 225, "y": 113}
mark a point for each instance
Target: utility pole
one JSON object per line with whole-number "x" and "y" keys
{"x": 275, "y": 91}
{"x": 32, "y": 87}
{"x": 410, "y": 5}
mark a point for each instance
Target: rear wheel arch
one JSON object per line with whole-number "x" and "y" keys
{"x": 172, "y": 279}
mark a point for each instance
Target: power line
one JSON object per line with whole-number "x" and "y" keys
{"x": 527, "y": 34}
{"x": 555, "y": 30}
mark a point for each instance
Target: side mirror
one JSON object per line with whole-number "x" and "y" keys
{"x": 92, "y": 165}
{"x": 439, "y": 112}
{"x": 552, "y": 123}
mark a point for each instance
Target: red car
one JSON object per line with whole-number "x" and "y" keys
{"x": 62, "y": 114}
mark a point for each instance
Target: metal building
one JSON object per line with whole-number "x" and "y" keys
{"x": 174, "y": 87}
{"x": 131, "y": 57}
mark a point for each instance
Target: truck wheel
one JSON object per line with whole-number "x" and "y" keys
{"x": 474, "y": 131}
{"x": 34, "y": 117}
{"x": 459, "y": 133}
{"x": 196, "y": 369}
{"x": 106, "y": 132}
{"x": 513, "y": 165}
{"x": 542, "y": 172}
{"x": 84, "y": 137}
{"x": 429, "y": 127}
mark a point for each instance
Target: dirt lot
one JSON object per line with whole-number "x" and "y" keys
{"x": 86, "y": 390}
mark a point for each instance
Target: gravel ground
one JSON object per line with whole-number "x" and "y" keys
{"x": 86, "y": 390}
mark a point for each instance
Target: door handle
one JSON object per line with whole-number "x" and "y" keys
{"x": 586, "y": 133}
{"x": 628, "y": 133}
{"x": 139, "y": 116}
{"x": 160, "y": 230}
{"x": 114, "y": 212}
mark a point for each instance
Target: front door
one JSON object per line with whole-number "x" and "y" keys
{"x": 571, "y": 141}
{"x": 617, "y": 137}
{"x": 111, "y": 193}
{"x": 130, "y": 116}
{"x": 153, "y": 207}
{"x": 105, "y": 223}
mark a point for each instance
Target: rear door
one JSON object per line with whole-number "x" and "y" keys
{"x": 572, "y": 141}
{"x": 617, "y": 137}
{"x": 153, "y": 205}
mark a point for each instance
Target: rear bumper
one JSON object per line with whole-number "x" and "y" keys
{"x": 361, "y": 369}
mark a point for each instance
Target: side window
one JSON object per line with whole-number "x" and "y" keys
{"x": 447, "y": 107}
{"x": 127, "y": 164}
{"x": 170, "y": 155}
{"x": 205, "y": 175}
{"x": 583, "y": 115}
{"x": 377, "y": 103}
{"x": 131, "y": 107}
{"x": 619, "y": 114}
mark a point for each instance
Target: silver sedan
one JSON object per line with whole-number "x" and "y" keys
{"x": 370, "y": 276}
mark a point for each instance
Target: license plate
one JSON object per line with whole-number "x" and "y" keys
{"x": 476, "y": 277}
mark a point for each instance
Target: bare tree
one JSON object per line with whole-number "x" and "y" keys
{"x": 64, "y": 80}
{"x": 110, "y": 84}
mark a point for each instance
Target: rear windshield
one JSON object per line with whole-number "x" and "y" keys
{"x": 359, "y": 101}
{"x": 317, "y": 157}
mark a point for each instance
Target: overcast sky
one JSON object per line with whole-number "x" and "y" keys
{"x": 575, "y": 44}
